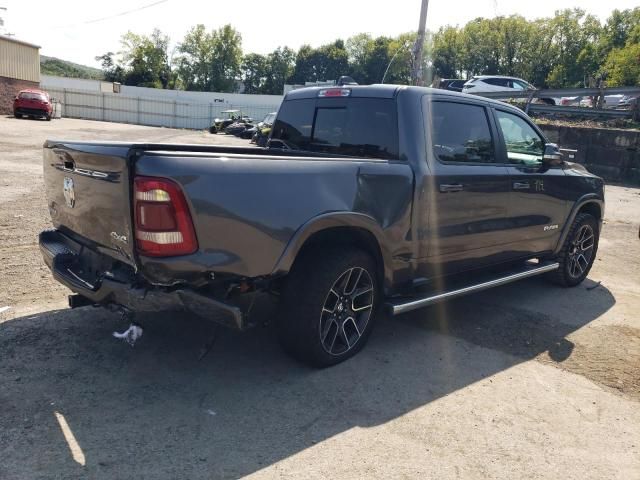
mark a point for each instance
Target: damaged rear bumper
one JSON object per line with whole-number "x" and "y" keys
{"x": 74, "y": 265}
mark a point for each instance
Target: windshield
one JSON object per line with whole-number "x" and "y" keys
{"x": 357, "y": 127}
{"x": 269, "y": 118}
{"x": 33, "y": 96}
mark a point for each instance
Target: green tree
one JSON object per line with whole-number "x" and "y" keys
{"x": 331, "y": 61}
{"x": 210, "y": 61}
{"x": 400, "y": 53}
{"x": 358, "y": 52}
{"x": 303, "y": 70}
{"x": 280, "y": 65}
{"x": 112, "y": 72}
{"x": 195, "y": 54}
{"x": 327, "y": 62}
{"x": 623, "y": 66}
{"x": 573, "y": 30}
{"x": 145, "y": 59}
{"x": 447, "y": 60}
{"x": 254, "y": 72}
{"x": 480, "y": 47}
{"x": 226, "y": 59}
{"x": 619, "y": 27}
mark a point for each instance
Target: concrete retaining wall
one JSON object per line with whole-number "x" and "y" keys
{"x": 613, "y": 154}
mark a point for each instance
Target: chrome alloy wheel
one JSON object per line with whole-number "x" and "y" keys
{"x": 346, "y": 311}
{"x": 581, "y": 251}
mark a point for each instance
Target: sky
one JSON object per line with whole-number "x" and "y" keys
{"x": 80, "y": 30}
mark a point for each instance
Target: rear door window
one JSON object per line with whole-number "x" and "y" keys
{"x": 355, "y": 127}
{"x": 460, "y": 132}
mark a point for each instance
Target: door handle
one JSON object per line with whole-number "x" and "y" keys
{"x": 521, "y": 185}
{"x": 451, "y": 188}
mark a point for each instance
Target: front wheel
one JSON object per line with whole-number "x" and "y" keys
{"x": 578, "y": 251}
{"x": 328, "y": 306}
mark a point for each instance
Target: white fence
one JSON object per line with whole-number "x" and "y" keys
{"x": 121, "y": 108}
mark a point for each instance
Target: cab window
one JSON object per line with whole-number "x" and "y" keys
{"x": 355, "y": 127}
{"x": 523, "y": 144}
{"x": 460, "y": 133}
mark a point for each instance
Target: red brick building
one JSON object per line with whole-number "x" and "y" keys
{"x": 19, "y": 69}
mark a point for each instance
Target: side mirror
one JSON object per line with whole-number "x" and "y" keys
{"x": 552, "y": 156}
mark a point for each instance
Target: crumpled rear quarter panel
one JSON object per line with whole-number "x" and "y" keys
{"x": 246, "y": 209}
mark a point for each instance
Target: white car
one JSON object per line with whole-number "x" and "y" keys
{"x": 499, "y": 83}
{"x": 610, "y": 101}
{"x": 495, "y": 83}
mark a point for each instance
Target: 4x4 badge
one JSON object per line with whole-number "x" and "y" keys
{"x": 69, "y": 192}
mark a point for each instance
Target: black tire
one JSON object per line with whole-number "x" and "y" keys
{"x": 17, "y": 115}
{"x": 306, "y": 318}
{"x": 578, "y": 251}
{"x": 48, "y": 118}
{"x": 212, "y": 129}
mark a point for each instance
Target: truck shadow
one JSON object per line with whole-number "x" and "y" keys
{"x": 156, "y": 411}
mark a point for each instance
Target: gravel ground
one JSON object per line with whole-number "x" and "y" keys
{"x": 524, "y": 381}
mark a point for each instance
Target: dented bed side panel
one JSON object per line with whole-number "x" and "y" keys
{"x": 247, "y": 209}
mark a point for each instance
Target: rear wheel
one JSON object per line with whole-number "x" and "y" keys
{"x": 328, "y": 306}
{"x": 17, "y": 115}
{"x": 578, "y": 252}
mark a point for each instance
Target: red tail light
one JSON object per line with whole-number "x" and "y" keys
{"x": 334, "y": 92}
{"x": 162, "y": 220}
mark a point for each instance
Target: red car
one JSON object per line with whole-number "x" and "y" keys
{"x": 33, "y": 103}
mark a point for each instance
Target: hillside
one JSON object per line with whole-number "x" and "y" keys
{"x": 63, "y": 68}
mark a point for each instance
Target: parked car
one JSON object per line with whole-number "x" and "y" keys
{"x": 249, "y": 132}
{"x": 587, "y": 101}
{"x": 268, "y": 120}
{"x": 238, "y": 128}
{"x": 627, "y": 102}
{"x": 495, "y": 83}
{"x": 341, "y": 215}
{"x": 33, "y": 103}
{"x": 232, "y": 116}
{"x": 453, "y": 84}
{"x": 498, "y": 83}
{"x": 263, "y": 129}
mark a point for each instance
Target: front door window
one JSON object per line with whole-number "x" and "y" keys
{"x": 523, "y": 144}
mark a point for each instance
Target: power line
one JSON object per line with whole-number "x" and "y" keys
{"x": 116, "y": 15}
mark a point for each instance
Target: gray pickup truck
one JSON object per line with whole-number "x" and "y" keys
{"x": 366, "y": 196}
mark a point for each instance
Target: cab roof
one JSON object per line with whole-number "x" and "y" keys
{"x": 390, "y": 91}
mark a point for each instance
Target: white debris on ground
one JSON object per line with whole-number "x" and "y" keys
{"x": 130, "y": 335}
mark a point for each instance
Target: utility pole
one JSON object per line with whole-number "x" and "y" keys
{"x": 416, "y": 72}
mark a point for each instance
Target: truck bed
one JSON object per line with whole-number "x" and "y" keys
{"x": 247, "y": 204}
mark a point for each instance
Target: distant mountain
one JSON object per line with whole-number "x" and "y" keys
{"x": 63, "y": 68}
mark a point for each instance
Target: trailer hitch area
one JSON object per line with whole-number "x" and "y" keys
{"x": 132, "y": 334}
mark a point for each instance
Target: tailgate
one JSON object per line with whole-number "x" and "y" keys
{"x": 88, "y": 194}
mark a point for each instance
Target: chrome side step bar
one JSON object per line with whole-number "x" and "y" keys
{"x": 399, "y": 306}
